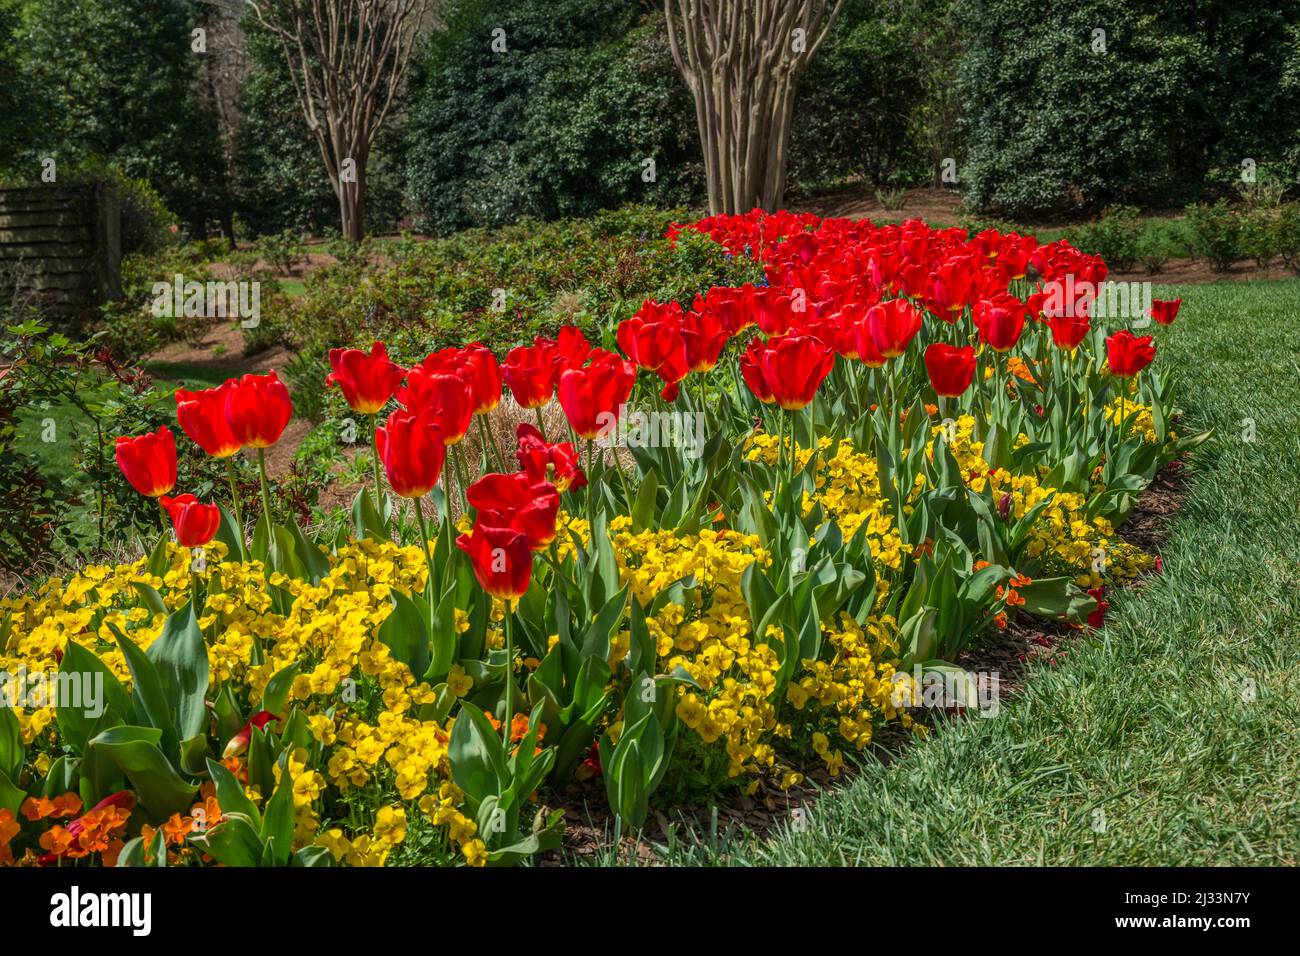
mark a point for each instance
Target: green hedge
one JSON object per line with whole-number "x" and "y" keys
{"x": 1182, "y": 89}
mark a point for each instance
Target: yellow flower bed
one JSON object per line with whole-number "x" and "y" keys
{"x": 359, "y": 702}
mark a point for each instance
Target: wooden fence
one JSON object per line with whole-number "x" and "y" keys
{"x": 60, "y": 247}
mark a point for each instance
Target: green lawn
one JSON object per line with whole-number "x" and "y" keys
{"x": 1151, "y": 723}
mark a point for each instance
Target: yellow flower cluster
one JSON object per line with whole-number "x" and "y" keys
{"x": 1062, "y": 535}
{"x": 857, "y": 685}
{"x": 1135, "y": 419}
{"x": 848, "y": 489}
{"x": 361, "y": 705}
{"x": 711, "y": 638}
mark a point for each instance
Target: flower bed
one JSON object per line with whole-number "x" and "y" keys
{"x": 772, "y": 516}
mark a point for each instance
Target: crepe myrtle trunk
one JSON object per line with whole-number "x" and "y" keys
{"x": 741, "y": 60}
{"x": 348, "y": 60}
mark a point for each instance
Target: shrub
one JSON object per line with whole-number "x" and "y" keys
{"x": 1055, "y": 126}
{"x": 1115, "y": 236}
{"x": 1259, "y": 234}
{"x": 1288, "y": 235}
{"x": 1216, "y": 233}
{"x": 860, "y": 99}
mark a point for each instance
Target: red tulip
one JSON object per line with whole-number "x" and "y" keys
{"x": 501, "y": 558}
{"x": 1165, "y": 312}
{"x": 574, "y": 347}
{"x": 448, "y": 395}
{"x": 949, "y": 289}
{"x": 530, "y": 372}
{"x": 1068, "y": 332}
{"x": 794, "y": 367}
{"x": 1000, "y": 321}
{"x": 484, "y": 374}
{"x": 705, "y": 334}
{"x": 202, "y": 416}
{"x": 196, "y": 524}
{"x": 772, "y": 310}
{"x": 542, "y": 461}
{"x": 893, "y": 325}
{"x": 751, "y": 370}
{"x": 368, "y": 381}
{"x": 239, "y": 743}
{"x": 257, "y": 408}
{"x": 728, "y": 305}
{"x": 149, "y": 461}
{"x": 412, "y": 450}
{"x": 592, "y": 395}
{"x": 1128, "y": 355}
{"x": 651, "y": 336}
{"x": 516, "y": 501}
{"x": 950, "y": 368}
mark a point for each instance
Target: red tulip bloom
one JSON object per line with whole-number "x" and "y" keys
{"x": 517, "y": 502}
{"x": 772, "y": 310}
{"x": 794, "y": 367}
{"x": 727, "y": 305}
{"x": 705, "y": 334}
{"x": 258, "y": 408}
{"x": 949, "y": 289}
{"x": 202, "y": 416}
{"x": 484, "y": 375}
{"x": 591, "y": 396}
{"x": 1000, "y": 321}
{"x": 1127, "y": 354}
{"x": 448, "y": 395}
{"x": 1068, "y": 332}
{"x": 893, "y": 325}
{"x": 950, "y": 368}
{"x": 530, "y": 372}
{"x": 1165, "y": 312}
{"x": 196, "y": 524}
{"x": 573, "y": 346}
{"x": 368, "y": 381}
{"x": 650, "y": 337}
{"x": 542, "y": 461}
{"x": 239, "y": 743}
{"x": 751, "y": 370}
{"x": 501, "y": 558}
{"x": 149, "y": 461}
{"x": 412, "y": 450}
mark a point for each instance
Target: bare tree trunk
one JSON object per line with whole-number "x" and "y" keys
{"x": 741, "y": 60}
{"x": 348, "y": 60}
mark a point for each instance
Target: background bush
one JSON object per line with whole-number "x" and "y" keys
{"x": 1053, "y": 127}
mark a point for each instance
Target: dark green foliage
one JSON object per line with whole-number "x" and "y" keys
{"x": 280, "y": 177}
{"x": 859, "y": 105}
{"x": 116, "y": 80}
{"x": 1054, "y": 127}
{"x": 557, "y": 124}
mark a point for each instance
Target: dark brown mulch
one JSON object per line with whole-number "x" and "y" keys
{"x": 589, "y": 824}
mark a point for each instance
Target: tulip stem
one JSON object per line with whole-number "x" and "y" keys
{"x": 266, "y": 492}
{"x": 234, "y": 502}
{"x": 428, "y": 558}
{"x": 374, "y": 447}
{"x": 541, "y": 425}
{"x": 510, "y": 675}
{"x": 490, "y": 441}
{"x": 461, "y": 480}
{"x": 790, "y": 414}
